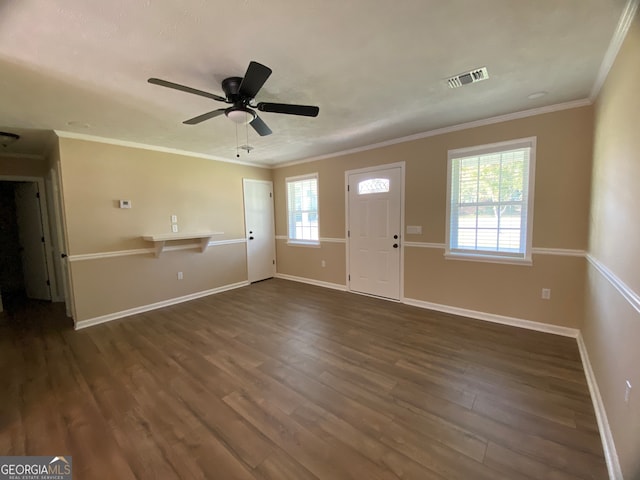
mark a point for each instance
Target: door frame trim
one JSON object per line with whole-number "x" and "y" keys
{"x": 375, "y": 168}
{"x": 46, "y": 228}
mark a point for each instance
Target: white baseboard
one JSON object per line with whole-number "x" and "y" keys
{"x": 491, "y": 317}
{"x": 610, "y": 454}
{"x": 311, "y": 281}
{"x": 153, "y": 306}
{"x": 608, "y": 445}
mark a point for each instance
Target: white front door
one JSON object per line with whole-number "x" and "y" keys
{"x": 259, "y": 229}
{"x": 374, "y": 231}
{"x": 31, "y": 235}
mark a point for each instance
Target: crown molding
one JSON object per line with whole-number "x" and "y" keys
{"x": 418, "y": 136}
{"x": 453, "y": 128}
{"x": 155, "y": 148}
{"x": 617, "y": 40}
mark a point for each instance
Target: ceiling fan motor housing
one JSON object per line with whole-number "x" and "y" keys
{"x": 240, "y": 112}
{"x": 231, "y": 89}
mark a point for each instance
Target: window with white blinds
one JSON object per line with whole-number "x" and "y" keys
{"x": 302, "y": 209}
{"x": 490, "y": 201}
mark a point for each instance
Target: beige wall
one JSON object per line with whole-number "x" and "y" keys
{"x": 109, "y": 285}
{"x": 23, "y": 167}
{"x": 562, "y": 190}
{"x": 205, "y": 195}
{"x": 428, "y": 275}
{"x": 611, "y": 328}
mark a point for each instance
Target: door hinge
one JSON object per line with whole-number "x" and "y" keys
{"x": 349, "y": 233}
{"x": 48, "y": 283}
{"x": 37, "y": 194}
{"x": 270, "y": 195}
{"x": 42, "y": 239}
{"x": 274, "y": 262}
{"x": 349, "y": 277}
{"x": 348, "y": 189}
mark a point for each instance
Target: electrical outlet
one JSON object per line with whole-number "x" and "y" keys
{"x": 627, "y": 391}
{"x": 174, "y": 218}
{"x": 323, "y": 264}
{"x": 174, "y": 228}
{"x": 180, "y": 276}
{"x": 546, "y": 294}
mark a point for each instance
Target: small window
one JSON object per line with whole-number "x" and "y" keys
{"x": 490, "y": 202}
{"x": 373, "y": 185}
{"x": 302, "y": 209}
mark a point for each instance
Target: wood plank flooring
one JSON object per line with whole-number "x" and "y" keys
{"x": 282, "y": 380}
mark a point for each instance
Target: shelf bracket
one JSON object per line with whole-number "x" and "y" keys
{"x": 159, "y": 247}
{"x": 204, "y": 243}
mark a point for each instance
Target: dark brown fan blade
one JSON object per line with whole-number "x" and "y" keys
{"x": 204, "y": 116}
{"x": 183, "y": 88}
{"x": 254, "y": 79}
{"x": 304, "y": 110}
{"x": 260, "y": 127}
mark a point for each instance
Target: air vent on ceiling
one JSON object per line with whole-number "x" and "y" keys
{"x": 468, "y": 77}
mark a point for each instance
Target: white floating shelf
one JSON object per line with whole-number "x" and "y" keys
{"x": 161, "y": 239}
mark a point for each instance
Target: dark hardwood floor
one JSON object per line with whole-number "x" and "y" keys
{"x": 281, "y": 380}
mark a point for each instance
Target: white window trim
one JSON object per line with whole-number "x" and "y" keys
{"x": 304, "y": 243}
{"x": 482, "y": 150}
{"x": 294, "y": 241}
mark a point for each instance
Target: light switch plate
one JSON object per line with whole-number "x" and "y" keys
{"x": 414, "y": 229}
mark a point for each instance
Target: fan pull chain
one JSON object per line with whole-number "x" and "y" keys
{"x": 248, "y": 149}
{"x": 237, "y": 143}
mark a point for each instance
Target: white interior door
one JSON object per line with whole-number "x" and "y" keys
{"x": 374, "y": 231}
{"x": 259, "y": 229}
{"x": 31, "y": 235}
{"x": 55, "y": 273}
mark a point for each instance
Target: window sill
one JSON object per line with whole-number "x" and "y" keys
{"x": 304, "y": 243}
{"x": 474, "y": 257}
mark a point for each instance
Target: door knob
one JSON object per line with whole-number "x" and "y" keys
{"x": 395, "y": 245}
{"x": 395, "y": 237}
{"x": 63, "y": 255}
{"x": 250, "y": 238}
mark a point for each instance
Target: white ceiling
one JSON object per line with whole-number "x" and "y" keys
{"x": 377, "y": 69}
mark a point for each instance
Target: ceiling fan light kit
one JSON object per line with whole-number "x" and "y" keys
{"x": 241, "y": 116}
{"x": 240, "y": 92}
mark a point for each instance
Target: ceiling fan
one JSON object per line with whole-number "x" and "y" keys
{"x": 240, "y": 93}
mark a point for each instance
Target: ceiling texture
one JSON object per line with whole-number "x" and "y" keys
{"x": 377, "y": 69}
